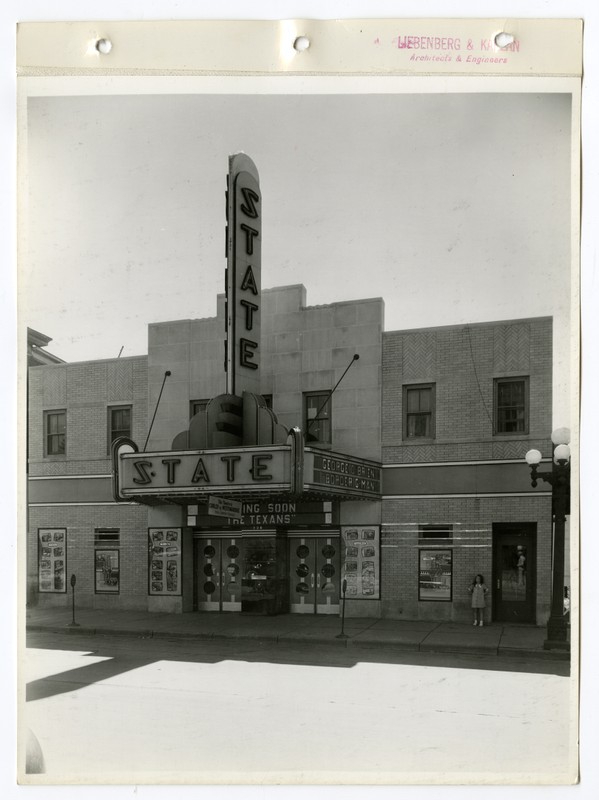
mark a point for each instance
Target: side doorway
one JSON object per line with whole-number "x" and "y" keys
{"x": 514, "y": 571}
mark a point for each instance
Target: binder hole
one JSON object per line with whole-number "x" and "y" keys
{"x": 504, "y": 39}
{"x": 104, "y": 46}
{"x": 301, "y": 43}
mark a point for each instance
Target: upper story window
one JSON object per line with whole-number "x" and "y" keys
{"x": 119, "y": 423}
{"x": 419, "y": 411}
{"x": 55, "y": 425}
{"x": 197, "y": 406}
{"x": 511, "y": 405}
{"x": 317, "y": 417}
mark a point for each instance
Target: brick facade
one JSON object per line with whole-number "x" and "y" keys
{"x": 80, "y": 523}
{"x": 464, "y": 476}
{"x": 472, "y": 521}
{"x": 304, "y": 349}
{"x": 462, "y": 363}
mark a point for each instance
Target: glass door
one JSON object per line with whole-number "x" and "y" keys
{"x": 514, "y": 575}
{"x": 327, "y": 575}
{"x": 217, "y": 574}
{"x": 314, "y": 575}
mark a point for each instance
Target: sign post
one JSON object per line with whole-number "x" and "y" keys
{"x": 343, "y": 635}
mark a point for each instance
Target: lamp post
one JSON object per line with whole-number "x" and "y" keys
{"x": 559, "y": 480}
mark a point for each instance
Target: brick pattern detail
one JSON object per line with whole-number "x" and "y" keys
{"x": 420, "y": 357}
{"x": 55, "y": 388}
{"x": 464, "y": 451}
{"x": 511, "y": 349}
{"x": 119, "y": 380}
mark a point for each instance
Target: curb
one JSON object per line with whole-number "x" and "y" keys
{"x": 268, "y": 637}
{"x": 286, "y": 638}
{"x": 543, "y": 655}
{"x": 422, "y": 647}
{"x": 482, "y": 650}
{"x": 408, "y": 647}
{"x": 187, "y": 636}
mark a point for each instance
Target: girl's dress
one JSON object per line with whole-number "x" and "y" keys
{"x": 478, "y": 595}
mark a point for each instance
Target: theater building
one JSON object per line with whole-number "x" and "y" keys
{"x": 266, "y": 459}
{"x": 433, "y": 425}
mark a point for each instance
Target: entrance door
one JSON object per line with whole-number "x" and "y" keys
{"x": 514, "y": 572}
{"x": 314, "y": 575}
{"x": 217, "y": 574}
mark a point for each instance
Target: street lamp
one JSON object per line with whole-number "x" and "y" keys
{"x": 559, "y": 480}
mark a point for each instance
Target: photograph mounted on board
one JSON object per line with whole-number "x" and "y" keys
{"x": 301, "y": 369}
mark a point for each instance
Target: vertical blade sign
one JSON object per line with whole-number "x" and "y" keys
{"x": 244, "y": 252}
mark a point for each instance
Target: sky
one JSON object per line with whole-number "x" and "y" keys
{"x": 454, "y": 208}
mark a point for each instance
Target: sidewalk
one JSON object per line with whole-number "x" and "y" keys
{"x": 523, "y": 641}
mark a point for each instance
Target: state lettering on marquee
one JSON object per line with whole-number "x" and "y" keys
{"x": 188, "y": 472}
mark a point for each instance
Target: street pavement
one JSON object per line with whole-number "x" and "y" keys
{"x": 139, "y": 708}
{"x": 522, "y": 641}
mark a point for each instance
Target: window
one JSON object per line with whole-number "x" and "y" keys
{"x": 435, "y": 573}
{"x": 52, "y": 559}
{"x": 107, "y": 554}
{"x": 55, "y": 423}
{"x": 435, "y": 534}
{"x": 197, "y": 407}
{"x": 317, "y": 418}
{"x": 268, "y": 400}
{"x": 419, "y": 411}
{"x": 119, "y": 423}
{"x": 511, "y": 405}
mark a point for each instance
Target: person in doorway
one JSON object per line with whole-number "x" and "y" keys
{"x": 478, "y": 590}
{"x": 521, "y": 565}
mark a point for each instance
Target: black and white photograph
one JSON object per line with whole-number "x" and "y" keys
{"x": 301, "y": 417}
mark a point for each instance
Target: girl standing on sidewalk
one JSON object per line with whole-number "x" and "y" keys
{"x": 478, "y": 590}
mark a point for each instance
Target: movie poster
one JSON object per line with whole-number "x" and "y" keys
{"x": 107, "y": 571}
{"x": 361, "y": 561}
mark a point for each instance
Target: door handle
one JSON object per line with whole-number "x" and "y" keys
{"x": 312, "y": 580}
{"x": 318, "y": 580}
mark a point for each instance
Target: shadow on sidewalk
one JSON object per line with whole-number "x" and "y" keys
{"x": 123, "y": 654}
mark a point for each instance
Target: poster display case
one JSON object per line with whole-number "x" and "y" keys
{"x": 107, "y": 571}
{"x": 435, "y": 573}
{"x": 361, "y": 561}
{"x": 52, "y": 559}
{"x": 164, "y": 562}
